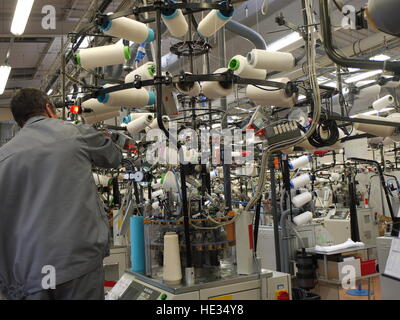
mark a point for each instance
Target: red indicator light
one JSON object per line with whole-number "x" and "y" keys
{"x": 75, "y": 109}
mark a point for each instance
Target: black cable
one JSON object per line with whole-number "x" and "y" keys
{"x": 330, "y": 126}
{"x": 261, "y": 88}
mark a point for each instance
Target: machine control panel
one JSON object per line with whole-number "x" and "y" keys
{"x": 137, "y": 291}
{"x": 340, "y": 215}
{"x": 129, "y": 289}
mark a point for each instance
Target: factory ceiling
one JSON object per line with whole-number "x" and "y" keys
{"x": 35, "y": 57}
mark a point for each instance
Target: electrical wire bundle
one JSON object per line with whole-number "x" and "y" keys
{"x": 326, "y": 134}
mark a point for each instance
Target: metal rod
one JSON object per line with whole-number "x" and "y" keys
{"x": 274, "y": 206}
{"x": 224, "y": 124}
{"x": 367, "y": 121}
{"x": 63, "y": 93}
{"x": 355, "y": 233}
{"x": 185, "y": 213}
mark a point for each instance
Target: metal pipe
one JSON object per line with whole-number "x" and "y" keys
{"x": 274, "y": 206}
{"x": 224, "y": 124}
{"x": 285, "y": 239}
{"x": 344, "y": 61}
{"x": 63, "y": 93}
{"x": 247, "y": 33}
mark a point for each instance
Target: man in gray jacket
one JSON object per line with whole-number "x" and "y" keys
{"x": 53, "y": 229}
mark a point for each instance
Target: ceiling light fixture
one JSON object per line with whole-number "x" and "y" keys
{"x": 284, "y": 43}
{"x": 380, "y": 57}
{"x": 4, "y": 75}
{"x": 364, "y": 75}
{"x": 21, "y": 16}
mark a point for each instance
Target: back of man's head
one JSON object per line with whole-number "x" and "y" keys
{"x": 29, "y": 102}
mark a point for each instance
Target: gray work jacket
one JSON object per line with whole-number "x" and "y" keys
{"x": 50, "y": 212}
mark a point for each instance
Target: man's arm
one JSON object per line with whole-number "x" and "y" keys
{"x": 102, "y": 150}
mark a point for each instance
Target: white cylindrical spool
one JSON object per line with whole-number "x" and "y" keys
{"x": 191, "y": 89}
{"x": 132, "y": 98}
{"x": 300, "y": 181}
{"x": 128, "y": 29}
{"x": 271, "y": 96}
{"x": 154, "y": 123}
{"x": 146, "y": 72}
{"x": 191, "y": 156}
{"x": 102, "y": 56}
{"x": 93, "y": 117}
{"x": 158, "y": 193}
{"x": 172, "y": 156}
{"x": 384, "y": 102}
{"x": 135, "y": 115}
{"x": 303, "y": 218}
{"x": 302, "y": 199}
{"x": 374, "y": 129}
{"x": 215, "y": 90}
{"x": 101, "y": 179}
{"x": 214, "y": 174}
{"x": 335, "y": 176}
{"x": 241, "y": 68}
{"x": 300, "y": 162}
{"x": 99, "y": 112}
{"x": 138, "y": 125}
{"x": 175, "y": 22}
{"x": 155, "y": 205}
{"x": 172, "y": 271}
{"x": 170, "y": 183}
{"x": 97, "y": 106}
{"x": 212, "y": 22}
{"x": 271, "y": 60}
{"x": 169, "y": 102}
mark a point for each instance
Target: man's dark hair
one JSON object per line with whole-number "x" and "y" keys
{"x": 27, "y": 103}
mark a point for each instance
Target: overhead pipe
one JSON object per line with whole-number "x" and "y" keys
{"x": 345, "y": 61}
{"x": 247, "y": 33}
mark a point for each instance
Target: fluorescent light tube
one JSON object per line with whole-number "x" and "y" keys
{"x": 4, "y": 75}
{"x": 50, "y": 92}
{"x": 285, "y": 42}
{"x": 332, "y": 84}
{"x": 21, "y": 16}
{"x": 363, "y": 76}
{"x": 380, "y": 57}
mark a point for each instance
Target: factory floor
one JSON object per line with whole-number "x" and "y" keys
{"x": 335, "y": 292}
{"x": 375, "y": 287}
